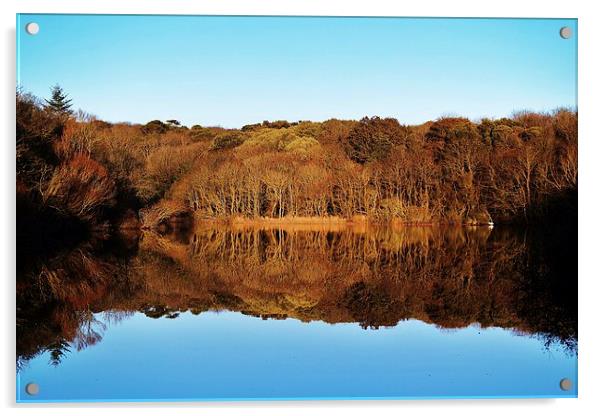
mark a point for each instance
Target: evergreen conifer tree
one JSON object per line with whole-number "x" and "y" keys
{"x": 59, "y": 102}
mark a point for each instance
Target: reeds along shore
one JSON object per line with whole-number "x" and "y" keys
{"x": 84, "y": 172}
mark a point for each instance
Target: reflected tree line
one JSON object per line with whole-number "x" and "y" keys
{"x": 448, "y": 276}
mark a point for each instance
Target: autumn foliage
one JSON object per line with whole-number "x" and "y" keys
{"x": 451, "y": 170}
{"x": 81, "y": 187}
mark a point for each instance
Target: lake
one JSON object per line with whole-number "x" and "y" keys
{"x": 301, "y": 312}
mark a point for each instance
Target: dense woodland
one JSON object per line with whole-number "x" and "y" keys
{"x": 75, "y": 169}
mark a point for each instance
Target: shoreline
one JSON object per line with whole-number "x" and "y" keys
{"x": 356, "y": 222}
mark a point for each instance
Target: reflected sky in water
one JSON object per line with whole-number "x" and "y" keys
{"x": 229, "y": 355}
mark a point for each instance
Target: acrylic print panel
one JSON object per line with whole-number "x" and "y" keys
{"x": 244, "y": 208}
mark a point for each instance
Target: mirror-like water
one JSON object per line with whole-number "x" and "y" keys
{"x": 301, "y": 312}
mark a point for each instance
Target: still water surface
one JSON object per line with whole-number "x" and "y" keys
{"x": 286, "y": 313}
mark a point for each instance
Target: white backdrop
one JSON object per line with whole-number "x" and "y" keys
{"x": 590, "y": 276}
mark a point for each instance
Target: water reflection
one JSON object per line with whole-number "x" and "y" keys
{"x": 375, "y": 277}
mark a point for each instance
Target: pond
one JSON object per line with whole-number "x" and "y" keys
{"x": 301, "y": 312}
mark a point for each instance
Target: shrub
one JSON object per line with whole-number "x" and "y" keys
{"x": 155, "y": 127}
{"x": 78, "y": 138}
{"x": 278, "y": 124}
{"x": 228, "y": 140}
{"x": 80, "y": 187}
{"x": 251, "y": 127}
{"x": 308, "y": 128}
{"x": 302, "y": 145}
{"x": 199, "y": 133}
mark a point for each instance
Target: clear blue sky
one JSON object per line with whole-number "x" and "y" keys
{"x": 232, "y": 71}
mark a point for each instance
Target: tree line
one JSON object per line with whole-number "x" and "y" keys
{"x": 450, "y": 170}
{"x": 72, "y": 166}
